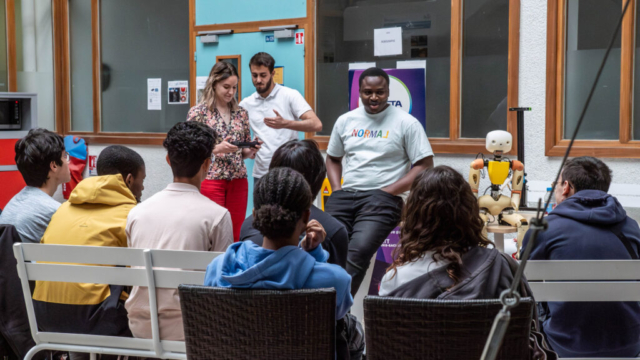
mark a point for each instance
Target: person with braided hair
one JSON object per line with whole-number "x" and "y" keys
{"x": 304, "y": 156}
{"x": 282, "y": 201}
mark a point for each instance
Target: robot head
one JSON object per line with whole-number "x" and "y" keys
{"x": 499, "y": 140}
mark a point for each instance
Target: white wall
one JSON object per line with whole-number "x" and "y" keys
{"x": 540, "y": 169}
{"x": 158, "y": 171}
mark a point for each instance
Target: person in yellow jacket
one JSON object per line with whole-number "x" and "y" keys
{"x": 95, "y": 215}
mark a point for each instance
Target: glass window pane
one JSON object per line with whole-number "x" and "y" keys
{"x": 81, "y": 65}
{"x": 345, "y": 35}
{"x": 485, "y": 64}
{"x": 4, "y": 85}
{"x": 139, "y": 40}
{"x": 590, "y": 24}
{"x": 234, "y": 61}
{"x": 34, "y": 55}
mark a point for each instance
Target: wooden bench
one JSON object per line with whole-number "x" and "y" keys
{"x": 137, "y": 267}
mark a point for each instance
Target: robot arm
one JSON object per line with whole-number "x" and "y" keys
{"x": 474, "y": 175}
{"x": 517, "y": 182}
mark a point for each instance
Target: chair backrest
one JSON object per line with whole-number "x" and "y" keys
{"x": 221, "y": 323}
{"x": 584, "y": 280}
{"x": 401, "y": 329}
{"x": 130, "y": 267}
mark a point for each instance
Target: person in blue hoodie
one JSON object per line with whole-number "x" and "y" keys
{"x": 282, "y": 202}
{"x": 589, "y": 224}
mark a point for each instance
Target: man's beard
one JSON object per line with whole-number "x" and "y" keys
{"x": 266, "y": 87}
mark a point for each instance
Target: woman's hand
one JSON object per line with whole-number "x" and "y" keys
{"x": 315, "y": 236}
{"x": 250, "y": 153}
{"x": 225, "y": 147}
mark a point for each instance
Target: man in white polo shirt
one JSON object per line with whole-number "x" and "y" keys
{"x": 384, "y": 149}
{"x": 276, "y": 112}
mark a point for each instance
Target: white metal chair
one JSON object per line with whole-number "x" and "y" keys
{"x": 584, "y": 280}
{"x": 136, "y": 269}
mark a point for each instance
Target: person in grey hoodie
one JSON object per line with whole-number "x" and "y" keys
{"x": 282, "y": 201}
{"x": 589, "y": 224}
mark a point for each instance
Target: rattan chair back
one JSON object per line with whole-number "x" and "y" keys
{"x": 221, "y": 323}
{"x": 401, "y": 329}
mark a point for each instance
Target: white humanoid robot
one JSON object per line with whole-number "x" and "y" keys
{"x": 497, "y": 205}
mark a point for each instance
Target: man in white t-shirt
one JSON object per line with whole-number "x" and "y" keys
{"x": 276, "y": 112}
{"x": 384, "y": 149}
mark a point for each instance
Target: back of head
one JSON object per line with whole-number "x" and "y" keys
{"x": 189, "y": 144}
{"x": 279, "y": 200}
{"x": 263, "y": 59}
{"x": 35, "y": 153}
{"x": 373, "y": 71}
{"x": 587, "y": 173}
{"x": 441, "y": 215}
{"x": 304, "y": 157}
{"x": 118, "y": 159}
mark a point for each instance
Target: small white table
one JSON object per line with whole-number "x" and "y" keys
{"x": 498, "y": 232}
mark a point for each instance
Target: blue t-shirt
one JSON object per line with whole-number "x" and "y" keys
{"x": 29, "y": 211}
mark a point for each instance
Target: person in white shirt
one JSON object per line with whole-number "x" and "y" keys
{"x": 276, "y": 112}
{"x": 384, "y": 148}
{"x": 177, "y": 218}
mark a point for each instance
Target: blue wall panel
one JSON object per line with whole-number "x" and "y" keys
{"x": 285, "y": 52}
{"x": 231, "y": 11}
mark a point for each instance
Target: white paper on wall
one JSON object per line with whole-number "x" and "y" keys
{"x": 387, "y": 41}
{"x": 201, "y": 81}
{"x": 154, "y": 94}
{"x": 178, "y": 92}
{"x": 361, "y": 65}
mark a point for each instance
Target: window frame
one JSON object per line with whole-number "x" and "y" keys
{"x": 555, "y": 145}
{"x": 455, "y": 144}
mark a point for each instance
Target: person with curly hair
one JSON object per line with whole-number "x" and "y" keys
{"x": 282, "y": 201}
{"x": 177, "y": 218}
{"x": 442, "y": 253}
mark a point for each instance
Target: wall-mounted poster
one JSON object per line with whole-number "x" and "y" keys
{"x": 154, "y": 95}
{"x": 407, "y": 89}
{"x": 201, "y": 82}
{"x": 178, "y": 92}
{"x": 278, "y": 76}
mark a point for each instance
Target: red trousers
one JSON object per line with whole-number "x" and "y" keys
{"x": 232, "y": 195}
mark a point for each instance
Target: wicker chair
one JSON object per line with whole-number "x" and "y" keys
{"x": 221, "y": 323}
{"x": 401, "y": 329}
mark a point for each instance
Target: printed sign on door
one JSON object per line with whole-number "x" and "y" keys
{"x": 299, "y": 38}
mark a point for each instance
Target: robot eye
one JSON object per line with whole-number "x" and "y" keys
{"x": 493, "y": 141}
{"x": 507, "y": 142}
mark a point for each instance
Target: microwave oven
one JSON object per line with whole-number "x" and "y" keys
{"x": 10, "y": 114}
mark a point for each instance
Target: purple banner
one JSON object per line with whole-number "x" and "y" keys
{"x": 407, "y": 91}
{"x": 384, "y": 258}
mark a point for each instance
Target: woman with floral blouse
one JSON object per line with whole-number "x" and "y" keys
{"x": 226, "y": 183}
